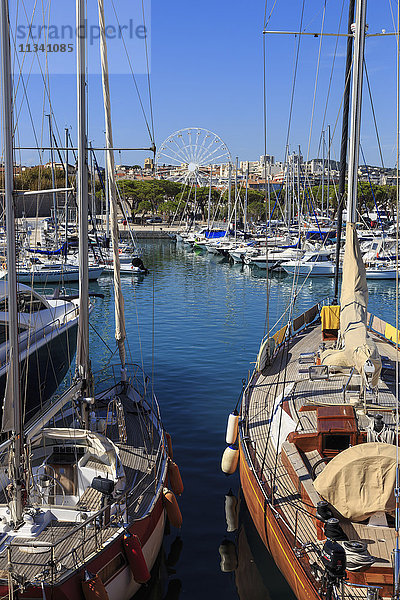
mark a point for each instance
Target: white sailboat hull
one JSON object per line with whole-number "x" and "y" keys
{"x": 53, "y": 276}
{"x": 124, "y": 586}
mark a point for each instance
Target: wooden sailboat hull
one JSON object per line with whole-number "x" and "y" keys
{"x": 269, "y": 529}
{"x": 292, "y": 535}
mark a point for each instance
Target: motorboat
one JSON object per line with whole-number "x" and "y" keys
{"x": 315, "y": 263}
{"x": 47, "y": 329}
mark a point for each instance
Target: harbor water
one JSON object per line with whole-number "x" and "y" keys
{"x": 195, "y": 323}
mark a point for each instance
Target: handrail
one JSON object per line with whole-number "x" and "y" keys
{"x": 121, "y": 506}
{"x": 30, "y": 332}
{"x": 129, "y": 497}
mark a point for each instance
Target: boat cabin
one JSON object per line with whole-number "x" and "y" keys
{"x": 336, "y": 430}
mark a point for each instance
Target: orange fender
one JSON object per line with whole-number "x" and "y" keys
{"x": 136, "y": 559}
{"x": 175, "y": 479}
{"x": 93, "y": 589}
{"x": 172, "y": 508}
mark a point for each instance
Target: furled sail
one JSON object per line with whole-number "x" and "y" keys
{"x": 10, "y": 396}
{"x": 358, "y": 347}
{"x": 119, "y": 299}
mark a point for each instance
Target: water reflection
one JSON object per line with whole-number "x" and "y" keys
{"x": 200, "y": 322}
{"x": 164, "y": 583}
{"x": 244, "y": 556}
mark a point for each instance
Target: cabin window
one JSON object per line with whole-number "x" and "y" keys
{"x": 335, "y": 443}
{"x": 26, "y": 303}
{"x": 112, "y": 568}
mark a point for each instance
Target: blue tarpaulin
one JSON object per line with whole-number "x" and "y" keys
{"x": 62, "y": 250}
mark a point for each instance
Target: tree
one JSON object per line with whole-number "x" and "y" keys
{"x": 144, "y": 206}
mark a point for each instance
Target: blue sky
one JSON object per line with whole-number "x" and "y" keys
{"x": 207, "y": 71}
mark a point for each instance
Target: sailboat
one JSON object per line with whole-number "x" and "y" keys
{"x": 83, "y": 485}
{"x": 317, "y": 434}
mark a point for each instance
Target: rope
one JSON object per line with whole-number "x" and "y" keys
{"x": 372, "y": 191}
{"x": 386, "y": 434}
{"x": 357, "y": 555}
{"x": 266, "y": 21}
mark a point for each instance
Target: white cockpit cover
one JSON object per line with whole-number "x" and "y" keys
{"x": 100, "y": 445}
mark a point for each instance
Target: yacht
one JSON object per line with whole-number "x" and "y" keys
{"x": 47, "y": 329}
{"x": 316, "y": 264}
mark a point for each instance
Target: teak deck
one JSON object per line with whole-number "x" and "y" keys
{"x": 141, "y": 458}
{"x": 278, "y": 486}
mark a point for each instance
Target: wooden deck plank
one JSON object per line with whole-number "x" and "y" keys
{"x": 141, "y": 458}
{"x": 262, "y": 393}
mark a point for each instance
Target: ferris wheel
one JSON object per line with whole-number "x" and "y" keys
{"x": 190, "y": 155}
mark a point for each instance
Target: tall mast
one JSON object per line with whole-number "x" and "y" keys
{"x": 298, "y": 191}
{"x": 107, "y": 197}
{"x": 82, "y": 355}
{"x": 323, "y": 174}
{"x": 12, "y": 419}
{"x": 209, "y": 201}
{"x": 53, "y": 181}
{"x": 229, "y": 195}
{"x": 293, "y": 163}
{"x": 329, "y": 171}
{"x": 343, "y": 147}
{"x": 355, "y": 123}
{"x": 66, "y": 185}
{"x": 286, "y": 212}
{"x": 110, "y": 166}
{"x": 245, "y": 198}
{"x": 236, "y": 194}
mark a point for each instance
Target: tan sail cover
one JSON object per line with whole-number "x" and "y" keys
{"x": 358, "y": 346}
{"x": 360, "y": 480}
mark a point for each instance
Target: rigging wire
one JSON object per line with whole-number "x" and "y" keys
{"x": 148, "y": 73}
{"x": 316, "y": 81}
{"x": 296, "y": 60}
{"x": 44, "y": 75}
{"x": 333, "y": 66}
{"x": 373, "y": 114}
{"x": 266, "y": 21}
{"x": 133, "y": 75}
